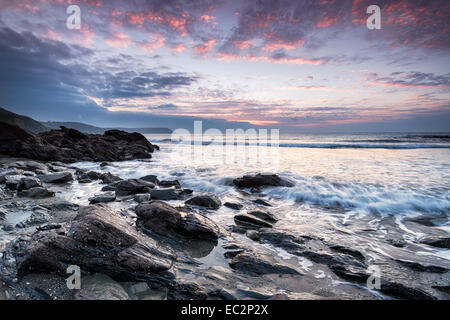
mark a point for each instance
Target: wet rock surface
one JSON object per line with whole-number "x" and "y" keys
{"x": 164, "y": 219}
{"x": 96, "y": 231}
{"x": 133, "y": 186}
{"x": 207, "y": 200}
{"x": 261, "y": 180}
{"x": 164, "y": 250}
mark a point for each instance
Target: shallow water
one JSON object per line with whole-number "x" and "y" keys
{"x": 362, "y": 197}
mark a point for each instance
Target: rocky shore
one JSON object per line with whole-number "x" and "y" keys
{"x": 146, "y": 238}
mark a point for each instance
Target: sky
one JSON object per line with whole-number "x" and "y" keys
{"x": 294, "y": 65}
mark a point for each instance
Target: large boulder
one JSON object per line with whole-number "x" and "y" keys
{"x": 261, "y": 180}
{"x": 208, "y": 200}
{"x": 59, "y": 177}
{"x": 28, "y": 183}
{"x": 164, "y": 194}
{"x": 103, "y": 197}
{"x": 166, "y": 220}
{"x": 133, "y": 186}
{"x": 37, "y": 193}
{"x": 99, "y": 240}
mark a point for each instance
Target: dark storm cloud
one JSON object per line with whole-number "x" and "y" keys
{"x": 32, "y": 63}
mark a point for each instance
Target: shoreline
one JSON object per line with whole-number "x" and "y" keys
{"x": 253, "y": 251}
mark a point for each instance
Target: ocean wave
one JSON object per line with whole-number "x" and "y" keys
{"x": 390, "y": 145}
{"x": 364, "y": 198}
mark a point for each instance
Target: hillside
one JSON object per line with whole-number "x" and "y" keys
{"x": 34, "y": 126}
{"x": 23, "y": 122}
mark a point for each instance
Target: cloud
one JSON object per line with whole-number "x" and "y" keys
{"x": 411, "y": 80}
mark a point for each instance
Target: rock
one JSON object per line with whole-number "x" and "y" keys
{"x": 139, "y": 287}
{"x": 108, "y": 178}
{"x": 437, "y": 242}
{"x": 253, "y": 235}
{"x": 151, "y": 178}
{"x": 99, "y": 240}
{"x": 69, "y": 145}
{"x": 262, "y": 202}
{"x": 85, "y": 177}
{"x": 28, "y": 183}
{"x": 248, "y": 221}
{"x": 264, "y": 215}
{"x": 133, "y": 186}
{"x": 100, "y": 287}
{"x": 104, "y": 164}
{"x": 257, "y": 263}
{"x": 104, "y": 197}
{"x": 422, "y": 267}
{"x": 208, "y": 200}
{"x": 166, "y": 220}
{"x": 139, "y": 198}
{"x": 28, "y": 165}
{"x": 401, "y": 291}
{"x": 37, "y": 192}
{"x": 59, "y": 177}
{"x": 50, "y": 226}
{"x": 111, "y": 187}
{"x": 12, "y": 182}
{"x": 234, "y": 206}
{"x": 261, "y": 180}
{"x": 170, "y": 183}
{"x": 164, "y": 194}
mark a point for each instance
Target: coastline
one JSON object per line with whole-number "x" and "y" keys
{"x": 190, "y": 253}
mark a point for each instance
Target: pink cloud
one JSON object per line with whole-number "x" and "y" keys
{"x": 119, "y": 40}
{"x": 157, "y": 42}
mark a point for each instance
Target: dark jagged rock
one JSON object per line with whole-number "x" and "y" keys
{"x": 234, "y": 206}
{"x": 166, "y": 220}
{"x": 59, "y": 177}
{"x": 102, "y": 198}
{"x": 108, "y": 178}
{"x": 151, "y": 178}
{"x": 133, "y": 186}
{"x": 84, "y": 177}
{"x": 37, "y": 192}
{"x": 257, "y": 263}
{"x": 264, "y": 215}
{"x": 99, "y": 240}
{"x": 437, "y": 242}
{"x": 401, "y": 291}
{"x": 28, "y": 183}
{"x": 207, "y": 200}
{"x": 170, "y": 183}
{"x": 164, "y": 194}
{"x": 261, "y": 180}
{"x": 421, "y": 267}
{"x": 69, "y": 145}
{"x": 252, "y": 222}
{"x": 11, "y": 182}
{"x": 262, "y": 202}
{"x": 28, "y": 165}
